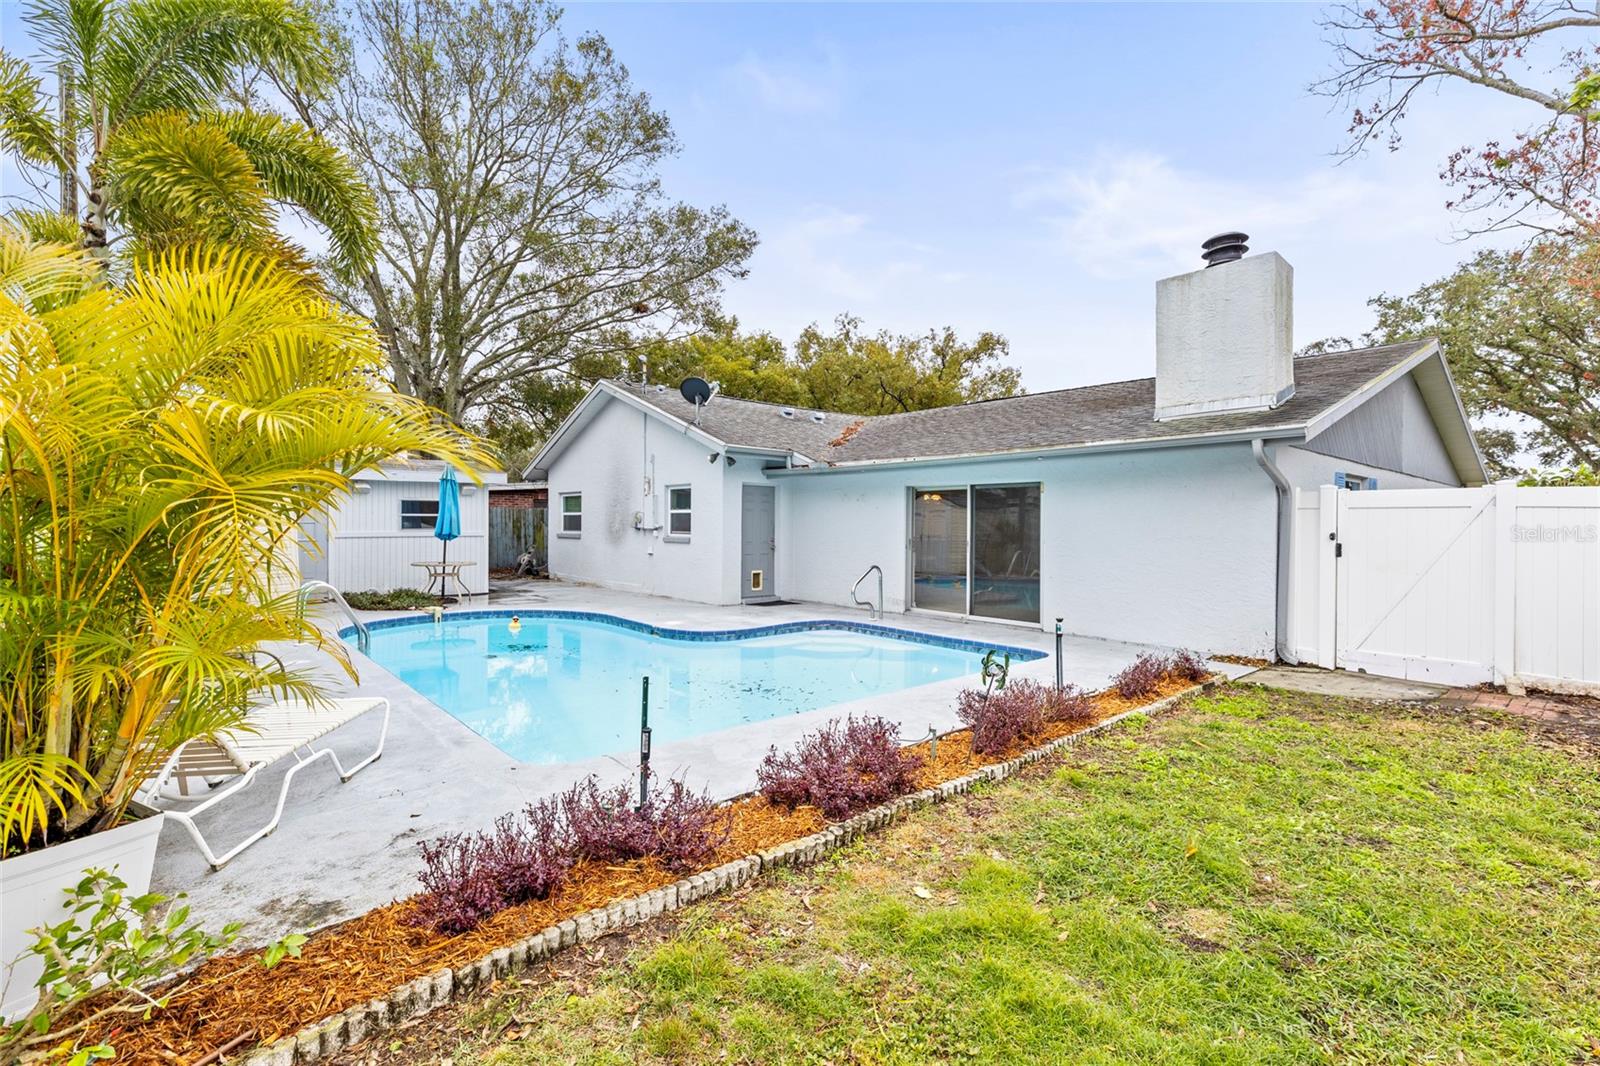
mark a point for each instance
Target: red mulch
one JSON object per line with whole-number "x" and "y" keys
{"x": 369, "y": 956}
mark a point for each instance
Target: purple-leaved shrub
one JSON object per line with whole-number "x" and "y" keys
{"x": 530, "y": 857}
{"x": 680, "y": 827}
{"x": 1002, "y": 719}
{"x": 468, "y": 877}
{"x": 1140, "y": 677}
{"x": 842, "y": 768}
{"x": 1187, "y": 665}
{"x": 1020, "y": 712}
{"x": 456, "y": 893}
{"x": 1069, "y": 704}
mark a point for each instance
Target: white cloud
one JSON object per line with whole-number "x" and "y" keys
{"x": 811, "y": 87}
{"x": 1135, "y": 214}
{"x": 841, "y": 254}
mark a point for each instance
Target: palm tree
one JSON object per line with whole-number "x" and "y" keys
{"x": 160, "y": 442}
{"x": 142, "y": 100}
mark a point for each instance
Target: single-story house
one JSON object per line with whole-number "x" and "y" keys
{"x": 1150, "y": 510}
{"x": 385, "y": 524}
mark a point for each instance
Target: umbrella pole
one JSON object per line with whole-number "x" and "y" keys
{"x": 443, "y": 563}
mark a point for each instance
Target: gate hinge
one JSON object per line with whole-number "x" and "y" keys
{"x": 1338, "y": 549}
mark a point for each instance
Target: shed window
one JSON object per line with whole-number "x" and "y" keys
{"x": 679, "y": 511}
{"x": 418, "y": 514}
{"x": 571, "y": 514}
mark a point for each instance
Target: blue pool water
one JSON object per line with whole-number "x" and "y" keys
{"x": 566, "y": 686}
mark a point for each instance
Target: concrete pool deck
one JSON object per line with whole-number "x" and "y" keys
{"x": 344, "y": 849}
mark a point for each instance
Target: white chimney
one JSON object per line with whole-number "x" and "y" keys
{"x": 1225, "y": 333}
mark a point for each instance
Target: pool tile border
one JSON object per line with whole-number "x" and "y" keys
{"x": 422, "y": 996}
{"x": 1017, "y": 653}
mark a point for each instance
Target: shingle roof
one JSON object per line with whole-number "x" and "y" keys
{"x": 1122, "y": 411}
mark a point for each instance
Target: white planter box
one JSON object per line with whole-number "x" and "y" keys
{"x": 33, "y": 886}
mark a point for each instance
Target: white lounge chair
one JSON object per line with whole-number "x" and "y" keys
{"x": 279, "y": 730}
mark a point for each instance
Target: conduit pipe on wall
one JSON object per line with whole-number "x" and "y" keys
{"x": 1282, "y": 568}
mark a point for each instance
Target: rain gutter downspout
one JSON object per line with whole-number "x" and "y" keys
{"x": 1284, "y": 498}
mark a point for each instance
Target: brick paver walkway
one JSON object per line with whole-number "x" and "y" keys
{"x": 1575, "y": 715}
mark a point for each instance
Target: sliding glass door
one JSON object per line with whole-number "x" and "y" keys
{"x": 975, "y": 551}
{"x": 939, "y": 550}
{"x": 1005, "y": 552}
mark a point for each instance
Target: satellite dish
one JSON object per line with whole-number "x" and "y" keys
{"x": 696, "y": 390}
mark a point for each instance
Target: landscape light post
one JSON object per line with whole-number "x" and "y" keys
{"x": 1058, "y": 655}
{"x": 644, "y": 743}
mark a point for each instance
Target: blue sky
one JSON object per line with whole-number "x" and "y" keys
{"x": 1028, "y": 169}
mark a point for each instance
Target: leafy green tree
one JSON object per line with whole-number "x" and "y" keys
{"x": 142, "y": 128}
{"x": 884, "y": 373}
{"x": 517, "y": 178}
{"x": 845, "y": 370}
{"x": 1522, "y": 341}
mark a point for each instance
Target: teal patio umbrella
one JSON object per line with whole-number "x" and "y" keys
{"x": 447, "y": 527}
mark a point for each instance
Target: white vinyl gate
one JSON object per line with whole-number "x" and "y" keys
{"x": 1458, "y": 586}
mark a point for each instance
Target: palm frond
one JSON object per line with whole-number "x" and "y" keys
{"x": 179, "y": 54}
{"x": 41, "y": 271}
{"x": 51, "y": 226}
{"x": 26, "y": 128}
{"x": 31, "y": 787}
{"x": 302, "y": 169}
{"x": 173, "y": 179}
{"x": 70, "y": 31}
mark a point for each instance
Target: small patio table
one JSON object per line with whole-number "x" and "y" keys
{"x": 441, "y": 574}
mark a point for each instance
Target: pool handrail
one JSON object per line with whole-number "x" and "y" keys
{"x": 363, "y": 634}
{"x": 874, "y": 612}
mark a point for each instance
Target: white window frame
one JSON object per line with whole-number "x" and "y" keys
{"x": 671, "y": 511}
{"x": 563, "y": 514}
{"x": 432, "y": 518}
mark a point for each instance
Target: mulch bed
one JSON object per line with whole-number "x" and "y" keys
{"x": 366, "y": 957}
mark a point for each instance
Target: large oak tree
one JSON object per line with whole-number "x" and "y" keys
{"x": 1522, "y": 342}
{"x": 517, "y": 179}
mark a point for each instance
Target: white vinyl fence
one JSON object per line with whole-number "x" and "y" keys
{"x": 1459, "y": 586}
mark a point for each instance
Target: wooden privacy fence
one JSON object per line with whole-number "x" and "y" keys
{"x": 1458, "y": 586}
{"x": 512, "y": 531}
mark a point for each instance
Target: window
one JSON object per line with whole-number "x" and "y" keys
{"x": 418, "y": 514}
{"x": 571, "y": 514}
{"x": 679, "y": 512}
{"x": 1354, "y": 482}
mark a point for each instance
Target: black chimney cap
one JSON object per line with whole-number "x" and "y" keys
{"x": 1224, "y": 248}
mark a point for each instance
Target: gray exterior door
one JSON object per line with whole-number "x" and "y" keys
{"x": 758, "y": 543}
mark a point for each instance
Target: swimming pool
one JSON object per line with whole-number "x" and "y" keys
{"x": 565, "y": 685}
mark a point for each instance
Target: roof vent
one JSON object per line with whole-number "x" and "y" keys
{"x": 661, "y": 388}
{"x": 817, "y": 416}
{"x": 1224, "y": 248}
{"x": 786, "y": 412}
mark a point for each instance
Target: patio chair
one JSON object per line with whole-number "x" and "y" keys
{"x": 276, "y": 731}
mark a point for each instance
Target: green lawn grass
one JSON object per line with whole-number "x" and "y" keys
{"x": 1258, "y": 878}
